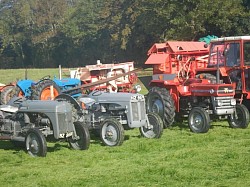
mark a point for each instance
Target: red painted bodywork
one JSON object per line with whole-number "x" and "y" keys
{"x": 175, "y": 65}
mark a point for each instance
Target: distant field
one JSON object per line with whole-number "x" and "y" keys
{"x": 10, "y": 75}
{"x": 220, "y": 157}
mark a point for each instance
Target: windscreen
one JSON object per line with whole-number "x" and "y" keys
{"x": 247, "y": 53}
{"x": 216, "y": 54}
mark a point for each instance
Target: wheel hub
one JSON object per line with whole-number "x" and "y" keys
{"x": 197, "y": 121}
{"x": 157, "y": 107}
{"x": 110, "y": 134}
{"x": 33, "y": 146}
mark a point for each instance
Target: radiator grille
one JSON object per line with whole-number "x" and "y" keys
{"x": 62, "y": 122}
{"x": 143, "y": 110}
{"x": 135, "y": 112}
{"x": 138, "y": 110}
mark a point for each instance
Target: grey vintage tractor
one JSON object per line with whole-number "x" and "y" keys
{"x": 29, "y": 122}
{"x": 110, "y": 113}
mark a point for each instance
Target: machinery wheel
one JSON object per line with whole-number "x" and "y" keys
{"x": 240, "y": 118}
{"x": 112, "y": 132}
{"x": 36, "y": 143}
{"x": 6, "y": 94}
{"x": 18, "y": 92}
{"x": 156, "y": 129}
{"x": 41, "y": 91}
{"x": 161, "y": 102}
{"x": 84, "y": 137}
{"x": 199, "y": 120}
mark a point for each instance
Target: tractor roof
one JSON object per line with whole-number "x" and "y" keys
{"x": 177, "y": 46}
{"x": 231, "y": 38}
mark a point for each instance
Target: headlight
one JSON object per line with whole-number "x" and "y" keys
{"x": 219, "y": 103}
{"x": 137, "y": 88}
{"x": 233, "y": 102}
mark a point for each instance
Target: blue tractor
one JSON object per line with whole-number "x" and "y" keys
{"x": 46, "y": 88}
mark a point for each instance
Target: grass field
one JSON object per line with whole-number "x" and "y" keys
{"x": 220, "y": 157}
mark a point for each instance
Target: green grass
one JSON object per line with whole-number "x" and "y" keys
{"x": 179, "y": 158}
{"x": 12, "y": 75}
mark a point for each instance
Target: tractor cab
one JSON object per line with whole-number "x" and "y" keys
{"x": 231, "y": 57}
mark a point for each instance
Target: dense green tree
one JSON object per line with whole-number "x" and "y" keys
{"x": 46, "y": 33}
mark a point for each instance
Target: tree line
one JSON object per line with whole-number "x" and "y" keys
{"x": 48, "y": 33}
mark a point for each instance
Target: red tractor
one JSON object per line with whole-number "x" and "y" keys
{"x": 182, "y": 86}
{"x": 229, "y": 63}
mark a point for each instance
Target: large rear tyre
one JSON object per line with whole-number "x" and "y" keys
{"x": 161, "y": 102}
{"x": 84, "y": 137}
{"x": 36, "y": 143}
{"x": 42, "y": 90}
{"x": 240, "y": 119}
{"x": 7, "y": 94}
{"x": 156, "y": 127}
{"x": 112, "y": 132}
{"x": 18, "y": 92}
{"x": 199, "y": 120}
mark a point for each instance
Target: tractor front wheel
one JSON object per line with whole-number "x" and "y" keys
{"x": 6, "y": 94}
{"x": 240, "y": 118}
{"x": 161, "y": 102}
{"x": 36, "y": 143}
{"x": 155, "y": 124}
{"x": 199, "y": 120}
{"x": 83, "y": 141}
{"x": 45, "y": 90}
{"x": 112, "y": 132}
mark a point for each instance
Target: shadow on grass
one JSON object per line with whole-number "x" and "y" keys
{"x": 96, "y": 139}
{"x": 183, "y": 125}
{"x": 9, "y": 145}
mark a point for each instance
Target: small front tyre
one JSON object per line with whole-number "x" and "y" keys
{"x": 199, "y": 120}
{"x": 112, "y": 132}
{"x": 155, "y": 127}
{"x": 82, "y": 143}
{"x": 36, "y": 143}
{"x": 240, "y": 118}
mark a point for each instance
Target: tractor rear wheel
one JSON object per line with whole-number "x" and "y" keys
{"x": 18, "y": 92}
{"x": 42, "y": 90}
{"x": 36, "y": 143}
{"x": 112, "y": 132}
{"x": 240, "y": 119}
{"x": 6, "y": 94}
{"x": 156, "y": 126}
{"x": 161, "y": 102}
{"x": 199, "y": 120}
{"x": 84, "y": 137}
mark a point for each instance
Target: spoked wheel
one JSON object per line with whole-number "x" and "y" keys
{"x": 155, "y": 127}
{"x": 36, "y": 143}
{"x": 112, "y": 132}
{"x": 161, "y": 102}
{"x": 240, "y": 119}
{"x": 6, "y": 94}
{"x": 45, "y": 90}
{"x": 83, "y": 141}
{"x": 199, "y": 120}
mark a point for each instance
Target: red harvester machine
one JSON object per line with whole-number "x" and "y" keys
{"x": 183, "y": 86}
